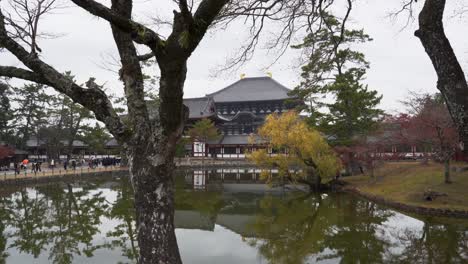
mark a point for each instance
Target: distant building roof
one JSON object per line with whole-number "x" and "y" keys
{"x": 238, "y": 115}
{"x": 112, "y": 143}
{"x": 34, "y": 142}
{"x": 200, "y": 107}
{"x": 20, "y": 152}
{"x": 76, "y": 143}
{"x": 252, "y": 89}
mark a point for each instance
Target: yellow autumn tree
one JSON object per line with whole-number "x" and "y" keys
{"x": 301, "y": 155}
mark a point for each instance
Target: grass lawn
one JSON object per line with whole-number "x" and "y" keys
{"x": 406, "y": 182}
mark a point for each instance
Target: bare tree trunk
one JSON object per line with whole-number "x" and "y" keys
{"x": 451, "y": 78}
{"x": 350, "y": 163}
{"x": 149, "y": 138}
{"x": 154, "y": 204}
{"x": 447, "y": 170}
{"x": 152, "y": 167}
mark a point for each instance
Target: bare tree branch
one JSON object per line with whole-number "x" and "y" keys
{"x": 14, "y": 72}
{"x": 140, "y": 33}
{"x": 451, "y": 77}
{"x": 93, "y": 99}
{"x": 294, "y": 18}
{"x": 130, "y": 73}
{"x": 25, "y": 22}
{"x": 146, "y": 56}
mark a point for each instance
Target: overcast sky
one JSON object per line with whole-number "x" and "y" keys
{"x": 398, "y": 61}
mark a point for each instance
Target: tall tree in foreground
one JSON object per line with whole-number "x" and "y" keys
{"x": 451, "y": 77}
{"x": 304, "y": 156}
{"x": 149, "y": 140}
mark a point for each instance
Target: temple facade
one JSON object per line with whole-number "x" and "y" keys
{"x": 237, "y": 110}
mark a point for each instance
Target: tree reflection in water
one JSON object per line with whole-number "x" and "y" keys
{"x": 433, "y": 244}
{"x": 58, "y": 219}
{"x": 295, "y": 228}
{"x": 124, "y": 234}
{"x": 63, "y": 222}
{"x": 298, "y": 229}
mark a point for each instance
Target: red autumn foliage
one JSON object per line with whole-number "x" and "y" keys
{"x": 430, "y": 125}
{"x": 6, "y": 151}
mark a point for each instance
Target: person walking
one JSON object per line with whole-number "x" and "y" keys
{"x": 65, "y": 164}
{"x": 16, "y": 167}
{"x": 73, "y": 164}
{"x": 38, "y": 166}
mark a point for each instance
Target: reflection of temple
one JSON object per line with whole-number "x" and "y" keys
{"x": 237, "y": 217}
{"x": 200, "y": 178}
{"x": 238, "y": 111}
{"x": 235, "y": 180}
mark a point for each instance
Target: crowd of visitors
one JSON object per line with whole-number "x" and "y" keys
{"x": 35, "y": 166}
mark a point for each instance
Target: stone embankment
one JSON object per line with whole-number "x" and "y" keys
{"x": 409, "y": 208}
{"x": 10, "y": 179}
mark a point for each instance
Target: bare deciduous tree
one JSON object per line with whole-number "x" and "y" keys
{"x": 149, "y": 138}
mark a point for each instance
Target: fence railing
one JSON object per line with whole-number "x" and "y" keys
{"x": 24, "y": 174}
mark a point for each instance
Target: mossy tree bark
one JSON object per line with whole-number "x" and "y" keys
{"x": 149, "y": 138}
{"x": 451, "y": 77}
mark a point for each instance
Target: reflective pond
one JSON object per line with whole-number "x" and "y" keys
{"x": 221, "y": 217}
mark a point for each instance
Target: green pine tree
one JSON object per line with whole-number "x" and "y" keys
{"x": 339, "y": 104}
{"x": 6, "y": 115}
{"x": 32, "y": 104}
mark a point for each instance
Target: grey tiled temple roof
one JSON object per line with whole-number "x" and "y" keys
{"x": 33, "y": 142}
{"x": 21, "y": 152}
{"x": 112, "y": 143}
{"x": 251, "y": 89}
{"x": 200, "y": 107}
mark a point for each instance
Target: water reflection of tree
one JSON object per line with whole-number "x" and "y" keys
{"x": 288, "y": 231}
{"x": 358, "y": 235}
{"x": 4, "y": 219}
{"x": 123, "y": 236}
{"x": 61, "y": 219}
{"x": 27, "y": 217}
{"x": 432, "y": 245}
{"x": 76, "y": 216}
{"x": 292, "y": 229}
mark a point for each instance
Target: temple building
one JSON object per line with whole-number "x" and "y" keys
{"x": 238, "y": 110}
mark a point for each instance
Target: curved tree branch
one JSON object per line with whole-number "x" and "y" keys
{"x": 130, "y": 73}
{"x": 93, "y": 99}
{"x": 140, "y": 33}
{"x": 14, "y": 72}
{"x": 451, "y": 77}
